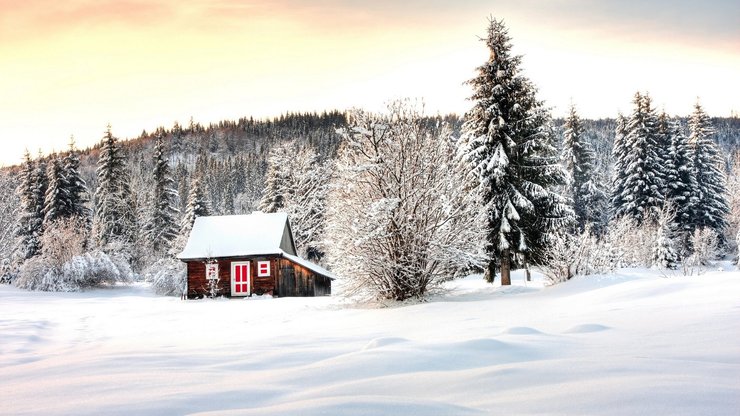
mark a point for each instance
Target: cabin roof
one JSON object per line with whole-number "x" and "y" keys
{"x": 239, "y": 235}
{"x": 310, "y": 266}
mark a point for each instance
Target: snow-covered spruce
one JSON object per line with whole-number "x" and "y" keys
{"x": 665, "y": 254}
{"x": 641, "y": 187}
{"x": 115, "y": 215}
{"x": 710, "y": 209}
{"x": 589, "y": 199}
{"x": 197, "y": 206}
{"x": 681, "y": 189}
{"x": 161, "y": 227}
{"x": 32, "y": 183}
{"x": 507, "y": 146}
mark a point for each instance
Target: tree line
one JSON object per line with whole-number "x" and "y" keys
{"x": 396, "y": 202}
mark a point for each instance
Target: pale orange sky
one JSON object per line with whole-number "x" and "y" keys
{"x": 72, "y": 67}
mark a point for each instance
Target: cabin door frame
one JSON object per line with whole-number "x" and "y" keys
{"x": 241, "y": 278}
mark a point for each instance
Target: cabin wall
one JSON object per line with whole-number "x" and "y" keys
{"x": 286, "y": 279}
{"x": 199, "y": 286}
{"x": 266, "y": 284}
{"x": 296, "y": 280}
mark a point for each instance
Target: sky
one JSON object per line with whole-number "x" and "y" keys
{"x": 70, "y": 68}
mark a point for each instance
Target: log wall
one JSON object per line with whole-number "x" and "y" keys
{"x": 286, "y": 279}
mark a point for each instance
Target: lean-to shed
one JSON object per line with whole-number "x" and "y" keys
{"x": 241, "y": 255}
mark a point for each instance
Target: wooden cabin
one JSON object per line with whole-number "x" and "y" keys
{"x": 242, "y": 255}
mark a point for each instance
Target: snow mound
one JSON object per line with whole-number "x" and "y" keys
{"x": 382, "y": 342}
{"x": 586, "y": 328}
{"x": 521, "y": 330}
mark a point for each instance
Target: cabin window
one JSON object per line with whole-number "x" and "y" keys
{"x": 212, "y": 271}
{"x": 263, "y": 268}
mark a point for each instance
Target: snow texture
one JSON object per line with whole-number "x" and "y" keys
{"x": 633, "y": 342}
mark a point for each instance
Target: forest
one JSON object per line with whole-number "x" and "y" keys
{"x": 414, "y": 199}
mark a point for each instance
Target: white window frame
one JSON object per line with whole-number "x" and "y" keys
{"x": 261, "y": 263}
{"x": 211, "y": 271}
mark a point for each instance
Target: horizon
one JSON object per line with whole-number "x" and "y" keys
{"x": 73, "y": 68}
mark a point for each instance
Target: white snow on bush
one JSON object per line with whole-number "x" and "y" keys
{"x": 634, "y": 342}
{"x": 80, "y": 272}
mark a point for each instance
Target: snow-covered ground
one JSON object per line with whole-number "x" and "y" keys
{"x": 637, "y": 342}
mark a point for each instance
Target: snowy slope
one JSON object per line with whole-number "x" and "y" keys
{"x": 633, "y": 343}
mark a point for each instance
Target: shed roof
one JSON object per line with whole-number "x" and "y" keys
{"x": 239, "y": 235}
{"x": 310, "y": 266}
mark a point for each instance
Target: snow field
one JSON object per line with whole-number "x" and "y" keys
{"x": 631, "y": 343}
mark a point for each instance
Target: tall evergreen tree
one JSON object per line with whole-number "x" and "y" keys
{"x": 277, "y": 179}
{"x": 115, "y": 212}
{"x": 641, "y": 196}
{"x": 681, "y": 186}
{"x": 161, "y": 227}
{"x": 57, "y": 203}
{"x": 711, "y": 206}
{"x": 619, "y": 175}
{"x": 664, "y": 156}
{"x": 578, "y": 160}
{"x": 31, "y": 227}
{"x": 507, "y": 144}
{"x": 197, "y": 206}
{"x": 76, "y": 186}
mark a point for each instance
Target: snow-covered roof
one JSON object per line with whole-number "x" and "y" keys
{"x": 239, "y": 235}
{"x": 310, "y": 266}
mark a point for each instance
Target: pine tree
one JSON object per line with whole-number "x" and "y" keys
{"x": 681, "y": 186}
{"x": 197, "y": 206}
{"x": 161, "y": 227}
{"x": 507, "y": 144}
{"x": 228, "y": 201}
{"x": 115, "y": 212}
{"x": 57, "y": 203}
{"x": 277, "y": 179}
{"x": 76, "y": 186}
{"x": 665, "y": 255}
{"x": 619, "y": 176}
{"x": 641, "y": 196}
{"x": 578, "y": 160}
{"x": 711, "y": 209}
{"x": 30, "y": 230}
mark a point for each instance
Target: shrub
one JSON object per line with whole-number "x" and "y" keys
{"x": 78, "y": 273}
{"x": 167, "y": 276}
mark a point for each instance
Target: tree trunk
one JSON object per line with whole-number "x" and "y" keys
{"x": 505, "y": 268}
{"x": 529, "y": 272}
{"x": 490, "y": 273}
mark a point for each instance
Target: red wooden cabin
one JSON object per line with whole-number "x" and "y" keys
{"x": 241, "y": 255}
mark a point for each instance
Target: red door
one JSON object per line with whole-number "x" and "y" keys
{"x": 240, "y": 279}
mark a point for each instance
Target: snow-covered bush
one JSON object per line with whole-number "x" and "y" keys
{"x": 62, "y": 240}
{"x": 583, "y": 254}
{"x": 62, "y": 265}
{"x": 78, "y": 273}
{"x": 631, "y": 244}
{"x": 168, "y": 277}
{"x": 565, "y": 257}
{"x": 400, "y": 220}
{"x": 705, "y": 244}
